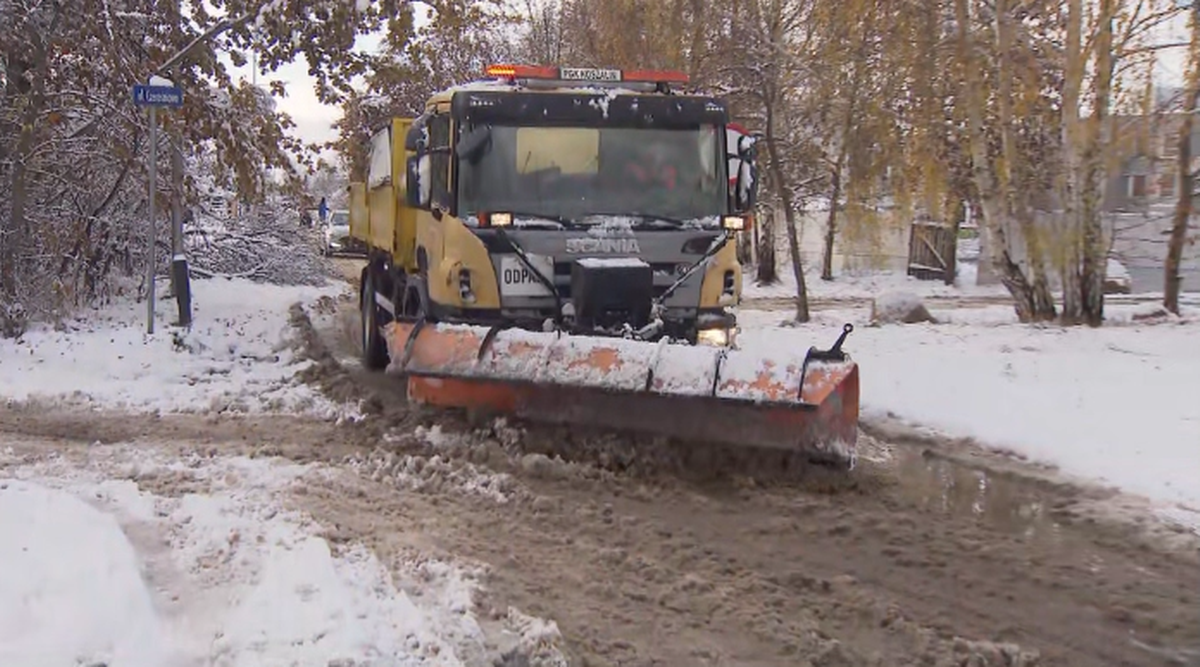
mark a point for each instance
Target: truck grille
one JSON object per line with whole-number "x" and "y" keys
{"x": 562, "y": 276}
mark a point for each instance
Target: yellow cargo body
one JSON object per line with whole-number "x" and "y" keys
{"x": 378, "y": 216}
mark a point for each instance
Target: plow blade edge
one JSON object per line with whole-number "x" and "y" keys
{"x": 795, "y": 400}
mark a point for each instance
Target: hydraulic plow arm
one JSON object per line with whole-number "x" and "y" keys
{"x": 799, "y": 401}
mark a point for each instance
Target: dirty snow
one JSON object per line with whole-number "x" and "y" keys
{"x": 438, "y": 473}
{"x": 1116, "y": 404}
{"x": 239, "y": 356}
{"x": 102, "y": 566}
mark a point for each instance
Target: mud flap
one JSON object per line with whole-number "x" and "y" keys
{"x": 806, "y": 402}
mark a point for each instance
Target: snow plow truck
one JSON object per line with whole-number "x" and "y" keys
{"x": 558, "y": 244}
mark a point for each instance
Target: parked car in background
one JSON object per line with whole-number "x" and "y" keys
{"x": 337, "y": 234}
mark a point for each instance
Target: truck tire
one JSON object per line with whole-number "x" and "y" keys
{"x": 374, "y": 348}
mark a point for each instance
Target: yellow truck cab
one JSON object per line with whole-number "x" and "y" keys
{"x": 589, "y": 201}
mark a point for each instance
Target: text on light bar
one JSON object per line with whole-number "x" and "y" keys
{"x": 585, "y": 74}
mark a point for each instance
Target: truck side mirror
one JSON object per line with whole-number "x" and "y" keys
{"x": 416, "y": 177}
{"x": 745, "y": 194}
{"x": 747, "y": 147}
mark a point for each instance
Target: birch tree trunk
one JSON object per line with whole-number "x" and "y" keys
{"x": 835, "y": 176}
{"x": 991, "y": 198}
{"x": 1069, "y": 260}
{"x": 1172, "y": 281}
{"x": 1041, "y": 300}
{"x": 1092, "y": 268}
{"x": 766, "y": 270}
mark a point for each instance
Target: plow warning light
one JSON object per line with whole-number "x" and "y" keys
{"x": 522, "y": 72}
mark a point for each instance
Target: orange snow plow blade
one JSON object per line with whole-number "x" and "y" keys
{"x": 805, "y": 401}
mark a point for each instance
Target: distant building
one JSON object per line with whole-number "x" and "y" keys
{"x": 1149, "y": 174}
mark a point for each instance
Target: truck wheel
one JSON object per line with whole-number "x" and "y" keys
{"x": 374, "y": 348}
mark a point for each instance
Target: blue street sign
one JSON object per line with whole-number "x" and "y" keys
{"x": 157, "y": 96}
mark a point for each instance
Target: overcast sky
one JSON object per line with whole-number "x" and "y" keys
{"x": 313, "y": 119}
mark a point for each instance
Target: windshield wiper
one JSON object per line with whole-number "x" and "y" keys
{"x": 581, "y": 221}
{"x": 676, "y": 222}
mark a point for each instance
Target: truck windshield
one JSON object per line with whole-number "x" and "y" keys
{"x": 576, "y": 173}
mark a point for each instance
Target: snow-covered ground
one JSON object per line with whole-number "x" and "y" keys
{"x": 214, "y": 569}
{"x": 1143, "y": 275}
{"x": 239, "y": 355}
{"x": 1119, "y": 404}
{"x": 866, "y": 284}
{"x": 133, "y": 556}
{"x": 136, "y": 557}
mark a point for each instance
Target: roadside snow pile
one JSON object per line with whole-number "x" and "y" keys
{"x": 71, "y": 591}
{"x": 1116, "y": 404}
{"x": 899, "y": 308}
{"x": 239, "y": 579}
{"x": 239, "y": 356}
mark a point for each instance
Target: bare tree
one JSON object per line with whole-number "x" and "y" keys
{"x": 1186, "y": 179}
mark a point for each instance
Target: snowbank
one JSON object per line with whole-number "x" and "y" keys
{"x": 238, "y": 578}
{"x": 867, "y": 285}
{"x": 238, "y": 356}
{"x": 864, "y": 284}
{"x": 71, "y": 591}
{"x": 899, "y": 307}
{"x": 1120, "y": 404}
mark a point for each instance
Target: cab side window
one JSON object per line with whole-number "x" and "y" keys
{"x": 439, "y": 149}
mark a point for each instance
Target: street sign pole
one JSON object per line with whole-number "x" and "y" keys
{"x": 160, "y": 93}
{"x": 151, "y": 262}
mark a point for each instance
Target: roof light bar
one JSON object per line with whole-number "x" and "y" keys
{"x": 522, "y": 72}
{"x": 656, "y": 76}
{"x": 584, "y": 74}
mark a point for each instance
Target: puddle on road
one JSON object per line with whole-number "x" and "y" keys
{"x": 1002, "y": 502}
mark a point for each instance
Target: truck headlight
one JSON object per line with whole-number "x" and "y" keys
{"x": 716, "y": 337}
{"x": 734, "y": 223}
{"x": 500, "y": 219}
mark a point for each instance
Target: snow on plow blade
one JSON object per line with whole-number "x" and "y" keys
{"x": 803, "y": 400}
